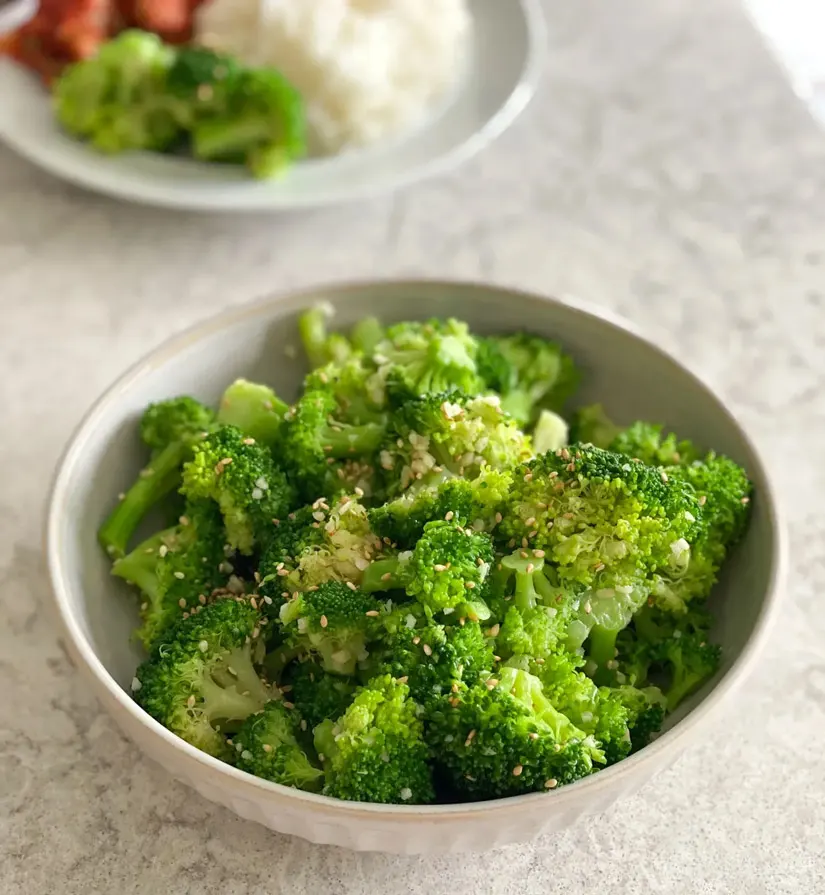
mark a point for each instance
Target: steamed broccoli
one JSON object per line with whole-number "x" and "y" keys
{"x": 447, "y": 434}
{"x": 240, "y": 475}
{"x": 327, "y": 454}
{"x": 201, "y": 675}
{"x": 116, "y": 99}
{"x": 389, "y": 591}
{"x": 177, "y": 569}
{"x": 170, "y": 429}
{"x": 503, "y": 737}
{"x": 445, "y": 572}
{"x": 317, "y": 543}
{"x": 375, "y": 752}
{"x": 599, "y": 515}
{"x": 198, "y": 83}
{"x": 433, "y": 659}
{"x": 528, "y": 372}
{"x": 474, "y": 502}
{"x": 428, "y": 358}
{"x": 333, "y": 621}
{"x": 317, "y": 693}
{"x": 255, "y": 409}
{"x": 261, "y": 125}
{"x": 267, "y": 746}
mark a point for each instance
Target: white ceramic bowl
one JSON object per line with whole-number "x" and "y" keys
{"x": 632, "y": 377}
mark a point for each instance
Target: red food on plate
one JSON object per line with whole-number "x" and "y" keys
{"x": 66, "y": 31}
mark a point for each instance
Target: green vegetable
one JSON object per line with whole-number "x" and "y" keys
{"x": 388, "y": 591}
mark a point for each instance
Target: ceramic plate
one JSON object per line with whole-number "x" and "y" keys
{"x": 502, "y": 73}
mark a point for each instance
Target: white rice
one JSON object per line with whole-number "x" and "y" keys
{"x": 367, "y": 69}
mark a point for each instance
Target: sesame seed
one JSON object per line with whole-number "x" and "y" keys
{"x": 528, "y": 477}
{"x": 703, "y": 500}
{"x": 491, "y": 683}
{"x": 530, "y": 568}
{"x": 203, "y": 646}
{"x": 351, "y": 586}
{"x": 324, "y": 621}
{"x": 136, "y": 685}
{"x": 416, "y": 640}
{"x": 530, "y": 522}
{"x": 248, "y": 441}
{"x": 551, "y": 783}
{"x": 267, "y": 747}
{"x": 191, "y": 701}
{"x": 180, "y": 576}
{"x": 470, "y": 585}
{"x": 440, "y": 568}
{"x": 539, "y": 554}
{"x": 469, "y": 739}
{"x": 493, "y": 632}
{"x": 303, "y": 724}
{"x": 289, "y": 705}
{"x": 448, "y": 517}
{"x": 386, "y": 576}
{"x": 182, "y": 603}
{"x": 428, "y": 650}
{"x": 517, "y": 770}
{"x": 498, "y": 518}
{"x": 372, "y": 613}
{"x": 404, "y": 679}
{"x": 745, "y": 501}
{"x": 533, "y": 735}
{"x": 663, "y": 475}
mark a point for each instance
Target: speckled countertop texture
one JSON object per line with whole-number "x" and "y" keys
{"x": 666, "y": 172}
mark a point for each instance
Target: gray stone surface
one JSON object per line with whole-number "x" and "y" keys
{"x": 665, "y": 171}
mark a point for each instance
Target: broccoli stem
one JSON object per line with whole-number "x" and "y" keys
{"x": 313, "y": 328}
{"x": 221, "y": 140}
{"x": 381, "y": 575}
{"x": 254, "y": 409}
{"x": 159, "y": 478}
{"x": 602, "y": 651}
{"x": 140, "y": 566}
{"x": 233, "y": 690}
{"x": 366, "y": 334}
{"x": 342, "y": 441}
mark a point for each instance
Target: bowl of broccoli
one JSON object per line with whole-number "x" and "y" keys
{"x": 413, "y": 566}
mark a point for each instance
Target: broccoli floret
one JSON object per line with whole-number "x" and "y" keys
{"x": 366, "y": 334}
{"x": 474, "y": 502}
{"x": 116, "y": 100}
{"x": 199, "y": 83}
{"x": 325, "y": 453}
{"x": 317, "y": 543}
{"x": 445, "y": 571}
{"x": 177, "y": 569}
{"x": 645, "y": 712}
{"x": 317, "y": 694}
{"x": 602, "y": 518}
{"x": 375, "y": 752}
{"x": 239, "y": 474}
{"x": 321, "y": 346}
{"x": 261, "y": 125}
{"x": 678, "y": 646}
{"x": 530, "y": 373}
{"x": 334, "y": 621}
{"x": 429, "y": 358}
{"x": 447, "y": 434}
{"x": 254, "y": 409}
{"x": 201, "y": 677}
{"x": 266, "y": 746}
{"x": 506, "y": 739}
{"x": 170, "y": 429}
{"x": 551, "y": 432}
{"x": 434, "y": 658}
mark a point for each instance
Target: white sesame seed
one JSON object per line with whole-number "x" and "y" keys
{"x": 372, "y": 613}
{"x": 551, "y": 783}
{"x": 469, "y": 739}
{"x": 517, "y": 770}
{"x": 180, "y": 576}
{"x": 324, "y": 621}
{"x": 203, "y": 646}
{"x": 191, "y": 701}
{"x": 428, "y": 650}
{"x": 351, "y": 586}
{"x": 449, "y": 516}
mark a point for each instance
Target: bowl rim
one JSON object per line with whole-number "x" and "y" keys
{"x": 115, "y": 698}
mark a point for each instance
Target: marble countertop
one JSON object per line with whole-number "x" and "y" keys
{"x": 666, "y": 172}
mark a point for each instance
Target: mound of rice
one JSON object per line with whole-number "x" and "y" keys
{"x": 367, "y": 69}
